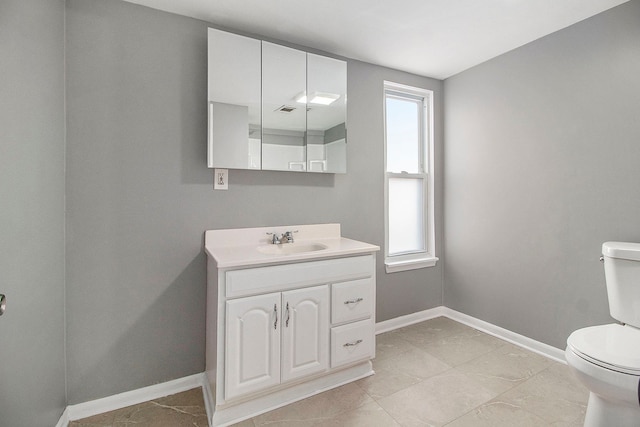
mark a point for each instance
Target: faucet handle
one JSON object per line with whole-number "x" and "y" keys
{"x": 274, "y": 238}
{"x": 288, "y": 236}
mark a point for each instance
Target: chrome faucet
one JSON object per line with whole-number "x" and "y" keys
{"x": 288, "y": 236}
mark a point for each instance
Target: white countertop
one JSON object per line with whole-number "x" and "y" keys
{"x": 241, "y": 247}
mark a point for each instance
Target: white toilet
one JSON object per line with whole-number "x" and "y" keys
{"x": 606, "y": 358}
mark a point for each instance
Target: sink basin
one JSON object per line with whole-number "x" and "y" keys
{"x": 291, "y": 248}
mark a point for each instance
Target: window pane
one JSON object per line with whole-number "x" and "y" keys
{"x": 403, "y": 134}
{"x": 406, "y": 215}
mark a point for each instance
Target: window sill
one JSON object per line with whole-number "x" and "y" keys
{"x": 394, "y": 266}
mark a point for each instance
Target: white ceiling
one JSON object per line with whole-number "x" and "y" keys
{"x": 435, "y": 38}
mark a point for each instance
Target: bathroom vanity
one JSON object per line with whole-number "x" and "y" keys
{"x": 290, "y": 313}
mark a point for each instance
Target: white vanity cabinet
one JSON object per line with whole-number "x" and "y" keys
{"x": 275, "y": 338}
{"x": 284, "y": 327}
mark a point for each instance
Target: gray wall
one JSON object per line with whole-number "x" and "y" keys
{"x": 358, "y": 195}
{"x": 32, "y": 377}
{"x": 542, "y": 166}
{"x": 139, "y": 195}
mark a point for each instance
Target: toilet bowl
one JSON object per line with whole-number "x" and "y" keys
{"x": 606, "y": 358}
{"x": 602, "y": 358}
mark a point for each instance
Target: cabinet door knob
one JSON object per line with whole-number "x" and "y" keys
{"x": 3, "y": 304}
{"x": 354, "y": 301}
{"x": 352, "y": 344}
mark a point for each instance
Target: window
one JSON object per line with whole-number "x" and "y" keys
{"x": 409, "y": 229}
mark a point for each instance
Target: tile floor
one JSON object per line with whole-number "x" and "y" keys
{"x": 178, "y": 410}
{"x": 435, "y": 373}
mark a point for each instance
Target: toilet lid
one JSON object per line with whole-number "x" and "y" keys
{"x": 614, "y": 346}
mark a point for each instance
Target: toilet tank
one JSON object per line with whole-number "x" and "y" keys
{"x": 622, "y": 272}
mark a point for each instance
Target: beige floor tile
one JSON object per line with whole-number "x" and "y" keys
{"x": 432, "y": 330}
{"x": 396, "y": 373}
{"x": 157, "y": 416}
{"x": 498, "y": 414}
{"x": 369, "y": 415}
{"x": 462, "y": 347}
{"x": 384, "y": 383}
{"x": 553, "y": 394}
{"x": 106, "y": 419}
{"x": 443, "y": 323}
{"x": 245, "y": 423}
{"x": 436, "y": 400}
{"x": 178, "y": 410}
{"x": 415, "y": 362}
{"x": 504, "y": 368}
{"x": 391, "y": 344}
{"x": 316, "y": 408}
{"x": 189, "y": 398}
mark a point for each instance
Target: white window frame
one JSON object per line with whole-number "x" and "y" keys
{"x": 426, "y": 257}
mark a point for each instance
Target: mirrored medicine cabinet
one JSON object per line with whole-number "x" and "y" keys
{"x": 272, "y": 107}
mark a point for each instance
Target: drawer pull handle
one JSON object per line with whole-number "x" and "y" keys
{"x": 353, "y": 301}
{"x": 352, "y": 344}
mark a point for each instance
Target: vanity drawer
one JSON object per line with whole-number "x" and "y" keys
{"x": 351, "y": 300}
{"x": 259, "y": 280}
{"x": 352, "y": 342}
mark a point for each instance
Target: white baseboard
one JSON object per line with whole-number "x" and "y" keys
{"x": 543, "y": 349}
{"x": 230, "y": 415}
{"x": 110, "y": 403}
{"x": 409, "y": 319}
{"x": 208, "y": 396}
{"x": 64, "y": 419}
{"x": 530, "y": 344}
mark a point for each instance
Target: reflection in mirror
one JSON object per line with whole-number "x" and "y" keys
{"x": 273, "y": 107}
{"x": 284, "y": 121}
{"x": 234, "y": 137}
{"x": 326, "y": 114}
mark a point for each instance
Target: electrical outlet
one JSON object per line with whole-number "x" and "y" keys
{"x": 220, "y": 179}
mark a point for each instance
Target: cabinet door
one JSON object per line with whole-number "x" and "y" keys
{"x": 252, "y": 355}
{"x": 305, "y": 332}
{"x": 234, "y": 94}
{"x": 326, "y": 114}
{"x": 284, "y": 112}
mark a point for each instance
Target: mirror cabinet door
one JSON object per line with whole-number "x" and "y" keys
{"x": 326, "y": 114}
{"x": 284, "y": 118}
{"x": 274, "y": 108}
{"x": 234, "y": 116}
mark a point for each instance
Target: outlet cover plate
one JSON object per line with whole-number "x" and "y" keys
{"x": 220, "y": 179}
